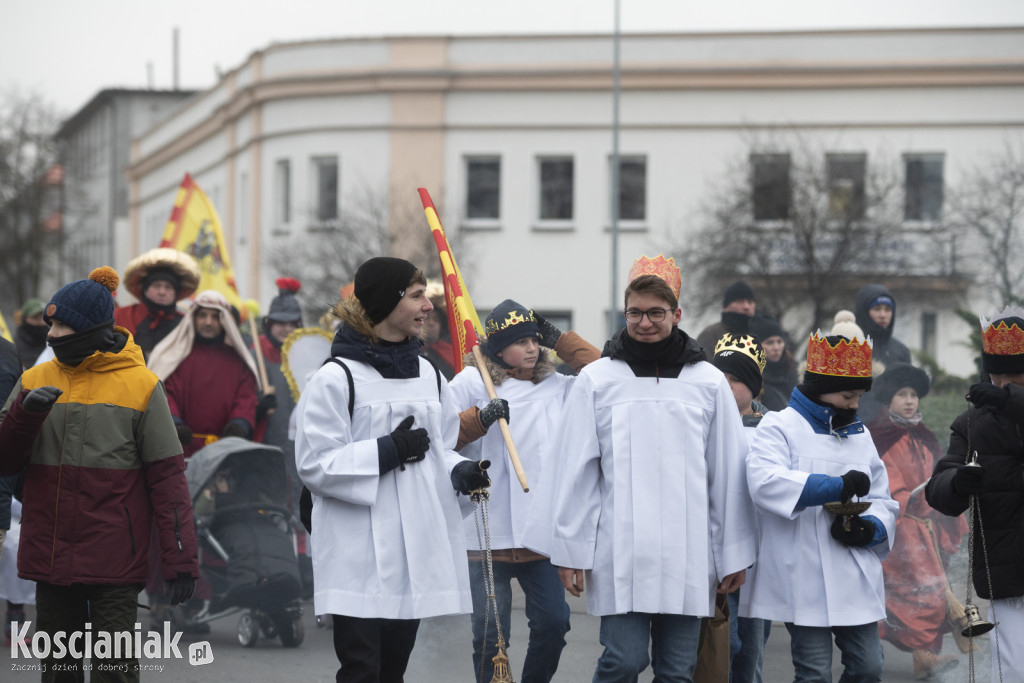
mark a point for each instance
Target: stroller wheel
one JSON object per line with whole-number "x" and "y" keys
{"x": 248, "y": 630}
{"x": 290, "y": 629}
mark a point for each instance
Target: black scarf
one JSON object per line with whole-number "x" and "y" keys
{"x": 393, "y": 360}
{"x": 72, "y": 349}
{"x": 664, "y": 358}
{"x": 842, "y": 417}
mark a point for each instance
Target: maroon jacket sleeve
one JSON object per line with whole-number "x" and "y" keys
{"x": 18, "y": 432}
{"x": 245, "y": 396}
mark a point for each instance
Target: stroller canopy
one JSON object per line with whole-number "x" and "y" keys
{"x": 257, "y": 470}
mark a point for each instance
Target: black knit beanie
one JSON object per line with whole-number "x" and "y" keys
{"x": 159, "y": 273}
{"x": 741, "y": 365}
{"x": 737, "y": 291}
{"x": 380, "y": 284}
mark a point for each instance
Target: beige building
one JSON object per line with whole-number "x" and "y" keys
{"x": 513, "y": 137}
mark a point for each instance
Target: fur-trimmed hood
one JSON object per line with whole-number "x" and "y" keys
{"x": 545, "y": 366}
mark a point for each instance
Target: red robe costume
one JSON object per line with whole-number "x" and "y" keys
{"x": 147, "y": 327}
{"x": 915, "y": 579}
{"x": 211, "y": 386}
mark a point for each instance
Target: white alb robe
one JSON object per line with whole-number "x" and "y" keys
{"x": 384, "y": 546}
{"x": 649, "y": 493}
{"x": 803, "y": 575}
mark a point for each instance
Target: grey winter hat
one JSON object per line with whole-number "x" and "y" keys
{"x": 284, "y": 308}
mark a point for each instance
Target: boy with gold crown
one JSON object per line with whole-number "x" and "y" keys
{"x": 821, "y": 573}
{"x": 649, "y": 496}
{"x": 992, "y": 428}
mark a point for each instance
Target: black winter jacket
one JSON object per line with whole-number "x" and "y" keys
{"x": 998, "y": 437}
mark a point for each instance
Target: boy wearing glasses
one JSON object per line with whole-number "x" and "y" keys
{"x": 649, "y": 445}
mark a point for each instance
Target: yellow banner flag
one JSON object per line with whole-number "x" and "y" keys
{"x": 194, "y": 229}
{"x": 4, "y": 331}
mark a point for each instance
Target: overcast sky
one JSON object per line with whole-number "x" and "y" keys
{"x": 67, "y": 50}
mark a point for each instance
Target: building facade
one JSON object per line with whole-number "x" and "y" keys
{"x": 513, "y": 137}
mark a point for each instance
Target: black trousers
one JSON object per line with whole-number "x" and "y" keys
{"x": 373, "y": 650}
{"x": 68, "y": 608}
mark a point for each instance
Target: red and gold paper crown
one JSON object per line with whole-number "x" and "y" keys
{"x": 848, "y": 358}
{"x": 664, "y": 268}
{"x": 744, "y": 344}
{"x": 1000, "y": 339}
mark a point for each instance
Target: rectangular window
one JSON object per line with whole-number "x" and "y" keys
{"x": 771, "y": 187}
{"x": 929, "y": 332}
{"x": 483, "y": 188}
{"x": 632, "y": 188}
{"x": 325, "y": 201}
{"x": 556, "y": 189}
{"x": 846, "y": 197}
{"x": 923, "y": 187}
{"x": 282, "y": 192}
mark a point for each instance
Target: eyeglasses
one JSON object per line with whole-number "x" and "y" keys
{"x": 655, "y": 315}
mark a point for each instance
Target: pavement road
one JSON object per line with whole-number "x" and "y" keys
{"x": 442, "y": 654}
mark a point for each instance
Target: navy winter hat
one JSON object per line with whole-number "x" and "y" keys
{"x": 380, "y": 284}
{"x": 737, "y": 291}
{"x": 507, "y": 323}
{"x": 85, "y": 303}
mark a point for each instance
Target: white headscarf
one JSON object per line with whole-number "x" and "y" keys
{"x": 176, "y": 347}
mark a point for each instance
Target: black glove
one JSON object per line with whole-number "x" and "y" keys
{"x": 235, "y": 428}
{"x": 41, "y": 399}
{"x": 184, "y": 434}
{"x": 861, "y": 531}
{"x": 855, "y": 483}
{"x": 984, "y": 394}
{"x": 549, "y": 334}
{"x": 969, "y": 480}
{"x": 180, "y": 589}
{"x": 470, "y": 475}
{"x": 266, "y": 404}
{"x": 410, "y": 444}
{"x": 498, "y": 407}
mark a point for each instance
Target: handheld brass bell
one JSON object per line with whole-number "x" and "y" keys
{"x": 976, "y": 626}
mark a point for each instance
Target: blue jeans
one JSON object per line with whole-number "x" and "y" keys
{"x": 546, "y": 611}
{"x": 671, "y": 638}
{"x": 812, "y": 653}
{"x": 746, "y": 644}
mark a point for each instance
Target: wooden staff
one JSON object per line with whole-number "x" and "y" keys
{"x": 268, "y": 388}
{"x": 513, "y": 454}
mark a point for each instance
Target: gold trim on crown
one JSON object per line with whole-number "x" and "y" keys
{"x": 513, "y": 318}
{"x": 664, "y": 268}
{"x": 1000, "y": 339}
{"x": 745, "y": 344}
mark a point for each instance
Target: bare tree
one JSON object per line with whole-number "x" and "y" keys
{"x": 988, "y": 208}
{"x": 30, "y": 178}
{"x": 804, "y": 226}
{"x": 326, "y": 257}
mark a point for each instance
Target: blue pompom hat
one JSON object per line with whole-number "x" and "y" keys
{"x": 83, "y": 304}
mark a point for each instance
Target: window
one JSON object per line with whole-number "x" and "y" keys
{"x": 772, "y": 193}
{"x": 923, "y": 187}
{"x": 483, "y": 188}
{"x": 846, "y": 199}
{"x": 632, "y": 188}
{"x": 282, "y": 192}
{"x": 556, "y": 180}
{"x": 325, "y": 177}
{"x": 929, "y": 332}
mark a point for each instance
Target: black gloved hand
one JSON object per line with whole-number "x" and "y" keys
{"x": 184, "y": 434}
{"x": 549, "y": 334}
{"x": 267, "y": 404}
{"x": 855, "y": 483}
{"x": 41, "y": 399}
{"x": 489, "y": 414}
{"x": 180, "y": 589}
{"x": 984, "y": 394}
{"x": 470, "y": 475}
{"x": 861, "y": 532}
{"x": 969, "y": 480}
{"x": 235, "y": 428}
{"x": 410, "y": 444}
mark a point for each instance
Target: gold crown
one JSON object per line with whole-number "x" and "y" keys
{"x": 1000, "y": 339}
{"x": 746, "y": 345}
{"x": 848, "y": 358}
{"x": 664, "y": 268}
{"x": 514, "y": 318}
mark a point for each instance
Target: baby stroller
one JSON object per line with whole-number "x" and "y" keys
{"x": 247, "y": 557}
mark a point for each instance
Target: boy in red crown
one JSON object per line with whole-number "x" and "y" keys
{"x": 819, "y": 573}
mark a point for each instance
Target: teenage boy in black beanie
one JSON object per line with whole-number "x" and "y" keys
{"x": 376, "y": 432}
{"x": 992, "y": 427}
{"x": 738, "y": 306}
{"x": 819, "y": 576}
{"x": 92, "y": 433}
